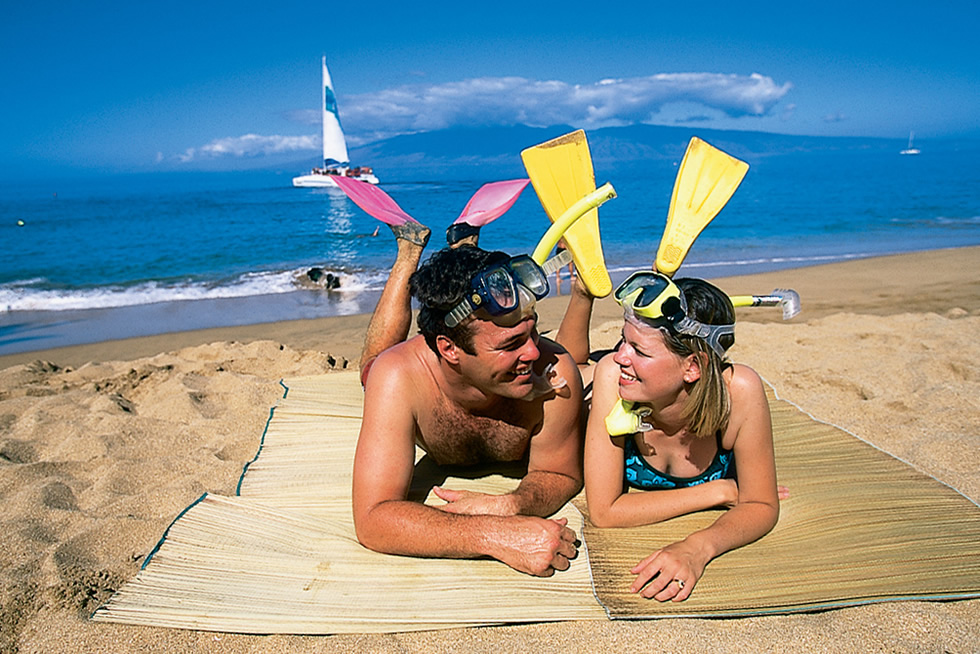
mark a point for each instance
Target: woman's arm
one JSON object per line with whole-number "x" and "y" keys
{"x": 609, "y": 505}
{"x": 673, "y": 572}
{"x": 573, "y": 332}
{"x": 603, "y": 458}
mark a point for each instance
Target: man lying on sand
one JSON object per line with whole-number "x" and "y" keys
{"x": 476, "y": 386}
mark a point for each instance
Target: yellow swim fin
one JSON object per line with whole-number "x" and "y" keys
{"x": 572, "y": 214}
{"x": 561, "y": 172}
{"x": 706, "y": 180}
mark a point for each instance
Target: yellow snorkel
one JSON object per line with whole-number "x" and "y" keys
{"x": 551, "y": 237}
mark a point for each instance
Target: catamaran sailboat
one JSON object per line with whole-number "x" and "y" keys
{"x": 910, "y": 149}
{"x": 335, "y": 158}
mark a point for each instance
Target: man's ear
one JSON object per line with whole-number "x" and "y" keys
{"x": 692, "y": 368}
{"x": 447, "y": 349}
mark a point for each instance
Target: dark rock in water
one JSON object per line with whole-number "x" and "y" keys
{"x": 321, "y": 277}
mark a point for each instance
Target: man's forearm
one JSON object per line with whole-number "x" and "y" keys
{"x": 541, "y": 493}
{"x": 528, "y": 544}
{"x": 413, "y": 529}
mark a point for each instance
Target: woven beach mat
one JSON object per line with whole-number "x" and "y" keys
{"x": 282, "y": 556}
{"x": 859, "y": 527}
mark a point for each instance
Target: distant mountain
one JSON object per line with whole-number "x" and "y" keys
{"x": 638, "y": 142}
{"x": 462, "y": 153}
{"x": 457, "y": 153}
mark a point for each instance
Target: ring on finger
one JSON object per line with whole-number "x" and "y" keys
{"x": 680, "y": 583}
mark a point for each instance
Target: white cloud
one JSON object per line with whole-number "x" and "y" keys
{"x": 250, "y": 145}
{"x": 516, "y": 100}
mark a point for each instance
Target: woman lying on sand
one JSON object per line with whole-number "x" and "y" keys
{"x": 671, "y": 415}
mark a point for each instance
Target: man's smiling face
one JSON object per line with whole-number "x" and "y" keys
{"x": 505, "y": 350}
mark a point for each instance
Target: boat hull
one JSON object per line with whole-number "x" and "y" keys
{"x": 910, "y": 149}
{"x": 320, "y": 180}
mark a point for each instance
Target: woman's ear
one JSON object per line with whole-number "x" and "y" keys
{"x": 692, "y": 367}
{"x": 447, "y": 349}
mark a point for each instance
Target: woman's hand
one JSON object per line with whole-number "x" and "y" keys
{"x": 670, "y": 573}
{"x": 728, "y": 491}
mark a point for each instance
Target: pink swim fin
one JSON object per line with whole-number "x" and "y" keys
{"x": 491, "y": 201}
{"x": 373, "y": 201}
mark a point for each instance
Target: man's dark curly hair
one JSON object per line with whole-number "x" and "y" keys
{"x": 440, "y": 284}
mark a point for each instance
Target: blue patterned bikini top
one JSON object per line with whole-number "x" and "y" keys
{"x": 640, "y": 474}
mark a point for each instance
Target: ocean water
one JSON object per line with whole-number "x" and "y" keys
{"x": 128, "y": 255}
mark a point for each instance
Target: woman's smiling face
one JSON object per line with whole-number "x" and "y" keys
{"x": 648, "y": 370}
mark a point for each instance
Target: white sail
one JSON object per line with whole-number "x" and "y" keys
{"x": 336, "y": 161}
{"x": 334, "y": 144}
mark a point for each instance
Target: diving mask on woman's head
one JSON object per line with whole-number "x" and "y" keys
{"x": 660, "y": 303}
{"x": 496, "y": 288}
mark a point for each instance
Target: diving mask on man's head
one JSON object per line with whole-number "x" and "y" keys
{"x": 497, "y": 289}
{"x": 658, "y": 301}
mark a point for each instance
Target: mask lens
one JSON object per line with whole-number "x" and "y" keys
{"x": 497, "y": 289}
{"x": 652, "y": 286}
{"x": 501, "y": 290}
{"x": 529, "y": 275}
{"x": 652, "y": 289}
{"x": 654, "y": 297}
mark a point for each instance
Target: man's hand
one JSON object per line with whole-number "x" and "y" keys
{"x": 537, "y": 546}
{"x": 472, "y": 503}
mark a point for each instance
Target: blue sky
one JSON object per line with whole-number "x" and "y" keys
{"x": 143, "y": 86}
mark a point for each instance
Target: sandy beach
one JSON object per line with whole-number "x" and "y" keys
{"x": 103, "y": 445}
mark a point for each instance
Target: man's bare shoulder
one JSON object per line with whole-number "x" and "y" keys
{"x": 546, "y": 344}
{"x": 555, "y": 355}
{"x": 402, "y": 365}
{"x": 409, "y": 352}
{"x": 552, "y": 352}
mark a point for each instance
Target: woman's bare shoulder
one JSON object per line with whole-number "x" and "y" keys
{"x": 606, "y": 367}
{"x": 745, "y": 381}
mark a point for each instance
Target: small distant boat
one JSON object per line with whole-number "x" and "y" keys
{"x": 910, "y": 149}
{"x": 335, "y": 158}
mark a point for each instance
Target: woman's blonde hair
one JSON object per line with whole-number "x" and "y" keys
{"x": 709, "y": 405}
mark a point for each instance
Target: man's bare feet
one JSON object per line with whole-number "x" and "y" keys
{"x": 413, "y": 232}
